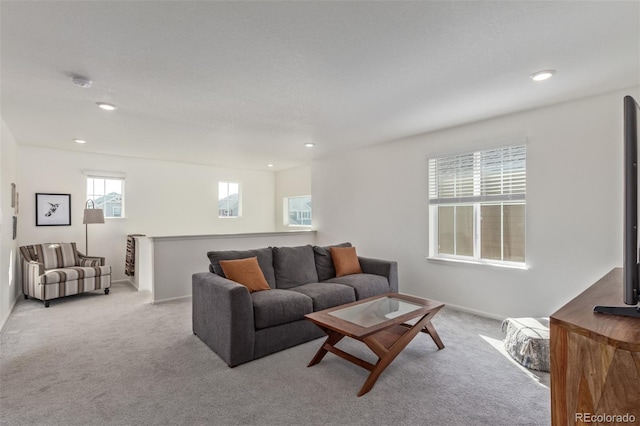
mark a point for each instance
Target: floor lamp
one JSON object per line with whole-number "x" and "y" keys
{"x": 91, "y": 215}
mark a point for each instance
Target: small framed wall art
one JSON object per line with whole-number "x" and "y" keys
{"x": 53, "y": 209}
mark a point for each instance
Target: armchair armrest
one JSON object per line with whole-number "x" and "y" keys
{"x": 90, "y": 260}
{"x": 31, "y": 271}
{"x": 37, "y": 268}
{"x": 385, "y": 268}
{"x": 223, "y": 317}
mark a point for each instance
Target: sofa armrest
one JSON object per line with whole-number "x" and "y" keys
{"x": 36, "y": 268}
{"x": 223, "y": 317}
{"x": 31, "y": 271}
{"x": 90, "y": 260}
{"x": 386, "y": 268}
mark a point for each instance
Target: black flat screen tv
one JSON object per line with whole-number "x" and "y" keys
{"x": 630, "y": 271}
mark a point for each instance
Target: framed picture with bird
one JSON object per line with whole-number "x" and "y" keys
{"x": 53, "y": 209}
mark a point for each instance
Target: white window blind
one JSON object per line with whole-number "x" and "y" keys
{"x": 485, "y": 176}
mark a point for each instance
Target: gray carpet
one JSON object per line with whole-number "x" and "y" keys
{"x": 118, "y": 360}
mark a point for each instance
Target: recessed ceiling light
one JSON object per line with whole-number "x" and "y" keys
{"x": 309, "y": 145}
{"x": 106, "y": 106}
{"x": 79, "y": 141}
{"x": 269, "y": 165}
{"x": 542, "y": 75}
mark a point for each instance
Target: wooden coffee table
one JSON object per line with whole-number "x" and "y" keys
{"x": 381, "y": 323}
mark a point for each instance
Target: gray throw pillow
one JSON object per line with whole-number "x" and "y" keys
{"x": 324, "y": 262}
{"x": 294, "y": 266}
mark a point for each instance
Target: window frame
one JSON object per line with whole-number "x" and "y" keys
{"x": 218, "y": 199}
{"x": 286, "y": 212}
{"x": 476, "y": 201}
{"x": 106, "y": 177}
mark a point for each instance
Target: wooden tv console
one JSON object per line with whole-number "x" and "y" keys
{"x": 595, "y": 359}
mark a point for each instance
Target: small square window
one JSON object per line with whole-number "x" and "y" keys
{"x": 107, "y": 193}
{"x": 297, "y": 211}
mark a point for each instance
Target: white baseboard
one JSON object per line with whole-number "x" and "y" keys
{"x": 125, "y": 281}
{"x": 475, "y": 312}
{"x": 172, "y": 299}
{"x": 13, "y": 305}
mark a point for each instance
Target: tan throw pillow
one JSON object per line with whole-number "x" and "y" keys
{"x": 345, "y": 261}
{"x": 246, "y": 272}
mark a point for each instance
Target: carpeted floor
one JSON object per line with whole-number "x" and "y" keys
{"x": 118, "y": 360}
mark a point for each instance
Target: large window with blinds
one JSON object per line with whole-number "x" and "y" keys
{"x": 477, "y": 206}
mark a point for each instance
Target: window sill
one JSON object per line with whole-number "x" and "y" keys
{"x": 504, "y": 265}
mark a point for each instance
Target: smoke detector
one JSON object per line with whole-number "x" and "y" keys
{"x": 83, "y": 82}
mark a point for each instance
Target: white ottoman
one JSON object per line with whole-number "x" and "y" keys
{"x": 527, "y": 341}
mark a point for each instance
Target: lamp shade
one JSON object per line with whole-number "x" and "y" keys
{"x": 93, "y": 216}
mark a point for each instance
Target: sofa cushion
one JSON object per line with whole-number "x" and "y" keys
{"x": 57, "y": 255}
{"x": 324, "y": 262}
{"x": 365, "y": 285}
{"x": 345, "y": 260}
{"x": 277, "y": 307}
{"x": 246, "y": 272}
{"x": 70, "y": 274}
{"x": 264, "y": 255}
{"x": 294, "y": 266}
{"x": 327, "y": 295}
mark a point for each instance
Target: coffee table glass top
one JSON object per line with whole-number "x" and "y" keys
{"x": 376, "y": 311}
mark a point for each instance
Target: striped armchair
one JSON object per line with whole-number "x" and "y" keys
{"x": 55, "y": 270}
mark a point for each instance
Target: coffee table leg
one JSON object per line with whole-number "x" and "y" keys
{"x": 332, "y": 339}
{"x": 375, "y": 374}
{"x": 430, "y": 329}
{"x": 387, "y": 356}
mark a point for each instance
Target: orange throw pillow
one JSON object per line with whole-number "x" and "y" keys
{"x": 345, "y": 261}
{"x": 246, "y": 272}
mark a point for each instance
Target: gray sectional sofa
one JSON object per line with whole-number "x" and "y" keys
{"x": 241, "y": 326}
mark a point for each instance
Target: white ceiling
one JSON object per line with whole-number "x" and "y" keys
{"x": 244, "y": 84}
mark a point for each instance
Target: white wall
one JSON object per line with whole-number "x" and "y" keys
{"x": 161, "y": 199}
{"x": 377, "y": 199}
{"x": 290, "y": 183}
{"x": 9, "y": 284}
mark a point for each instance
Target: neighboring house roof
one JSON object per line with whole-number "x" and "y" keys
{"x": 300, "y": 204}
{"x": 229, "y": 203}
{"x": 112, "y": 197}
